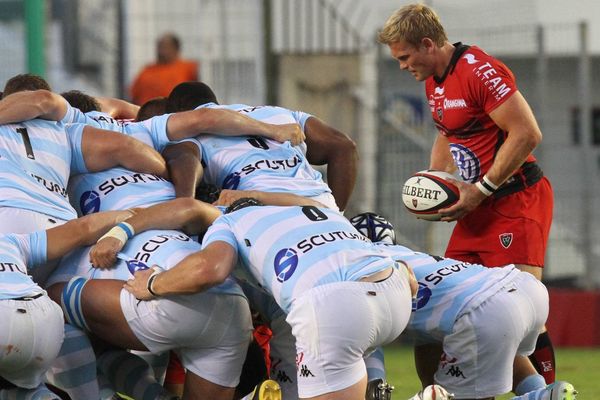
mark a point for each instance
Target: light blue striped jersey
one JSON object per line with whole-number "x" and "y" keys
{"x": 36, "y": 159}
{"x": 164, "y": 248}
{"x": 447, "y": 289}
{"x": 253, "y": 163}
{"x": 17, "y": 253}
{"x": 100, "y": 120}
{"x": 152, "y": 131}
{"x": 289, "y": 250}
{"x": 119, "y": 188}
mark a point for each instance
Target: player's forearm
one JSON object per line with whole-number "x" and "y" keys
{"x": 216, "y": 121}
{"x": 185, "y": 168}
{"x": 511, "y": 155}
{"x": 98, "y": 224}
{"x": 193, "y": 274}
{"x": 185, "y": 174}
{"x": 341, "y": 176}
{"x": 441, "y": 158}
{"x": 137, "y": 156}
{"x": 27, "y": 105}
{"x": 175, "y": 214}
{"x": 118, "y": 108}
{"x": 81, "y": 232}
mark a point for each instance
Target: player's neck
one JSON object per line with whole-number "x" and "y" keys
{"x": 444, "y": 57}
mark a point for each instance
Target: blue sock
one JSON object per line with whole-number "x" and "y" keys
{"x": 529, "y": 384}
{"x": 74, "y": 370}
{"x": 39, "y": 393}
{"x": 158, "y": 362}
{"x": 130, "y": 375}
{"x": 375, "y": 365}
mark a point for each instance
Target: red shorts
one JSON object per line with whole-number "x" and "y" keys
{"x": 511, "y": 230}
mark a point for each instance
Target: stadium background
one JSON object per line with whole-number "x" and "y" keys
{"x": 321, "y": 56}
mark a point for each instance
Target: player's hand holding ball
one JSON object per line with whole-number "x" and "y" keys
{"x": 427, "y": 192}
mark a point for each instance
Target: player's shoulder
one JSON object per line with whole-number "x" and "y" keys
{"x": 475, "y": 62}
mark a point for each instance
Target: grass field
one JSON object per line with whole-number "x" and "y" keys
{"x": 579, "y": 366}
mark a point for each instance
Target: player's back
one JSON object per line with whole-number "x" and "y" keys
{"x": 292, "y": 249}
{"x": 164, "y": 248}
{"x": 253, "y": 163}
{"x": 16, "y": 253}
{"x": 119, "y": 188}
{"x": 35, "y": 162}
{"x": 447, "y": 288}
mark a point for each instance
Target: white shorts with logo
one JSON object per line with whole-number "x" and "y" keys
{"x": 31, "y": 334}
{"x": 479, "y": 353}
{"x": 209, "y": 332}
{"x": 336, "y": 324}
{"x": 17, "y": 220}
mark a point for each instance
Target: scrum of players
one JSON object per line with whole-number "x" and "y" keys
{"x": 133, "y": 238}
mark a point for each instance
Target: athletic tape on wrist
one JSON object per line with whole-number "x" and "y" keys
{"x": 122, "y": 232}
{"x": 127, "y": 228}
{"x": 489, "y": 184}
{"x": 483, "y": 189}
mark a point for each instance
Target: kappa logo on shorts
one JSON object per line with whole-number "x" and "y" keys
{"x": 506, "y": 239}
{"x": 455, "y": 372}
{"x": 283, "y": 377}
{"x": 305, "y": 372}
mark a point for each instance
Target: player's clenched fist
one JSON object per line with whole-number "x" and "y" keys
{"x": 291, "y": 132}
{"x": 104, "y": 252}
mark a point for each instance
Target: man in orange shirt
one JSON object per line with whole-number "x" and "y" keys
{"x": 159, "y": 79}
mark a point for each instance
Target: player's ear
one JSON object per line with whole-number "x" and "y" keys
{"x": 427, "y": 44}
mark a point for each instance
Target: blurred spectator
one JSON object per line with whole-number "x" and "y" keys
{"x": 157, "y": 80}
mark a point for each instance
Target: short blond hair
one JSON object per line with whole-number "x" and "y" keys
{"x": 411, "y": 24}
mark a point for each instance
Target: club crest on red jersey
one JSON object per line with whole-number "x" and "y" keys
{"x": 440, "y": 113}
{"x": 506, "y": 239}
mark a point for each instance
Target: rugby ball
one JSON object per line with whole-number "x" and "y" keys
{"x": 426, "y": 192}
{"x": 435, "y": 392}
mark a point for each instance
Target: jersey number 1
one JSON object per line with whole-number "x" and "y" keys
{"x": 27, "y": 143}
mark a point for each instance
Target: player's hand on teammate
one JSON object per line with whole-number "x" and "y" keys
{"x": 138, "y": 286}
{"x": 104, "y": 253}
{"x": 228, "y": 196}
{"x": 291, "y": 132}
{"x": 470, "y": 198}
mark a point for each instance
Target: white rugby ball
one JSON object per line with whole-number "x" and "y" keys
{"x": 436, "y": 392}
{"x": 426, "y": 192}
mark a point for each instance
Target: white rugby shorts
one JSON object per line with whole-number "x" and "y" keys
{"x": 17, "y": 220}
{"x": 210, "y": 332}
{"x": 336, "y": 324}
{"x": 479, "y": 353}
{"x": 31, "y": 334}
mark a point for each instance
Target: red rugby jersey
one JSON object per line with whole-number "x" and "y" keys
{"x": 473, "y": 85}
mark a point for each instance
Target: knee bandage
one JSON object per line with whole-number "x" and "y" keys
{"x": 70, "y": 301}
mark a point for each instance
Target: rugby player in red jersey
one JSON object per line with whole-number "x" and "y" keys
{"x": 488, "y": 132}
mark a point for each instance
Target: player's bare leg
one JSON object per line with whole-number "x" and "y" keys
{"x": 102, "y": 311}
{"x": 197, "y": 388}
{"x": 543, "y": 356}
{"x": 354, "y": 392}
